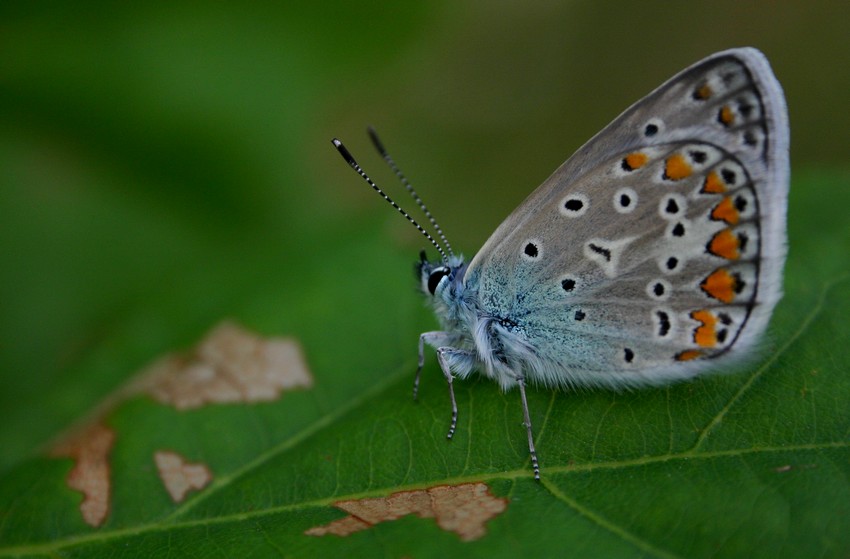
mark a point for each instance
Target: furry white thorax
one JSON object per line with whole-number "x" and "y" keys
{"x": 500, "y": 353}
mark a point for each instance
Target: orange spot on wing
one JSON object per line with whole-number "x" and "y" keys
{"x": 703, "y": 92}
{"x": 726, "y": 116}
{"x": 634, "y": 161}
{"x": 688, "y": 355}
{"x": 726, "y": 211}
{"x": 721, "y": 285}
{"x": 676, "y": 168}
{"x": 713, "y": 184}
{"x": 705, "y": 334}
{"x": 725, "y": 245}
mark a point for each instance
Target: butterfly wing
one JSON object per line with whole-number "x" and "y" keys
{"x": 657, "y": 249}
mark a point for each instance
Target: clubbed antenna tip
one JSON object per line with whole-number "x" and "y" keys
{"x": 353, "y": 163}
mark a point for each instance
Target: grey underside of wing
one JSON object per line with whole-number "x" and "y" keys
{"x": 614, "y": 300}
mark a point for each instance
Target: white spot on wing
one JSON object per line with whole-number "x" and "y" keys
{"x": 672, "y": 206}
{"x": 574, "y": 205}
{"x": 606, "y": 253}
{"x": 625, "y": 200}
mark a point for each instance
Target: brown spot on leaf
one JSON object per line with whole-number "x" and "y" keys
{"x": 789, "y": 467}
{"x": 463, "y": 509}
{"x": 180, "y": 476}
{"x": 89, "y": 448}
{"x": 229, "y": 365}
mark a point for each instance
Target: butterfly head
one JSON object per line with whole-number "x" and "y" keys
{"x": 436, "y": 277}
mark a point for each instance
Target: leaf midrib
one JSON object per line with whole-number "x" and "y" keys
{"x": 513, "y": 475}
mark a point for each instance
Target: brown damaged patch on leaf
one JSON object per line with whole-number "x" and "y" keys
{"x": 463, "y": 509}
{"x": 90, "y": 449}
{"x": 180, "y": 476}
{"x": 229, "y": 365}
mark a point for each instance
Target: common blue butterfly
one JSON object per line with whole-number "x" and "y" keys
{"x": 653, "y": 254}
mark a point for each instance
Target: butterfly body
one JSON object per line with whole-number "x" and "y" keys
{"x": 653, "y": 254}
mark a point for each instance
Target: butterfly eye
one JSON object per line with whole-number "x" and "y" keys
{"x": 437, "y": 275}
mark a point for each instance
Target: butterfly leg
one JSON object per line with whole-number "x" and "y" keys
{"x": 433, "y": 339}
{"x": 441, "y": 357}
{"x": 450, "y": 357}
{"x": 527, "y": 418}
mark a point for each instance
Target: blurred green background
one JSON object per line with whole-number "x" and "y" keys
{"x": 165, "y": 166}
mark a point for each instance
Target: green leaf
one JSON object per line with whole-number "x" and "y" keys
{"x": 753, "y": 463}
{"x": 160, "y": 174}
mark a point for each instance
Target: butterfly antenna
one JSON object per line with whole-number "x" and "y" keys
{"x": 380, "y": 147}
{"x": 351, "y": 161}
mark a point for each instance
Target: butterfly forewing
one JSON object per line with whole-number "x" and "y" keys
{"x": 659, "y": 245}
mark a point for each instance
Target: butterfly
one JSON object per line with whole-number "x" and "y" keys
{"x": 653, "y": 254}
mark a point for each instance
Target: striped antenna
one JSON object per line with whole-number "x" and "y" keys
{"x": 351, "y": 161}
{"x": 380, "y": 147}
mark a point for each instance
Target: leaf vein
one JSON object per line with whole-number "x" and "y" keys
{"x": 745, "y": 387}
